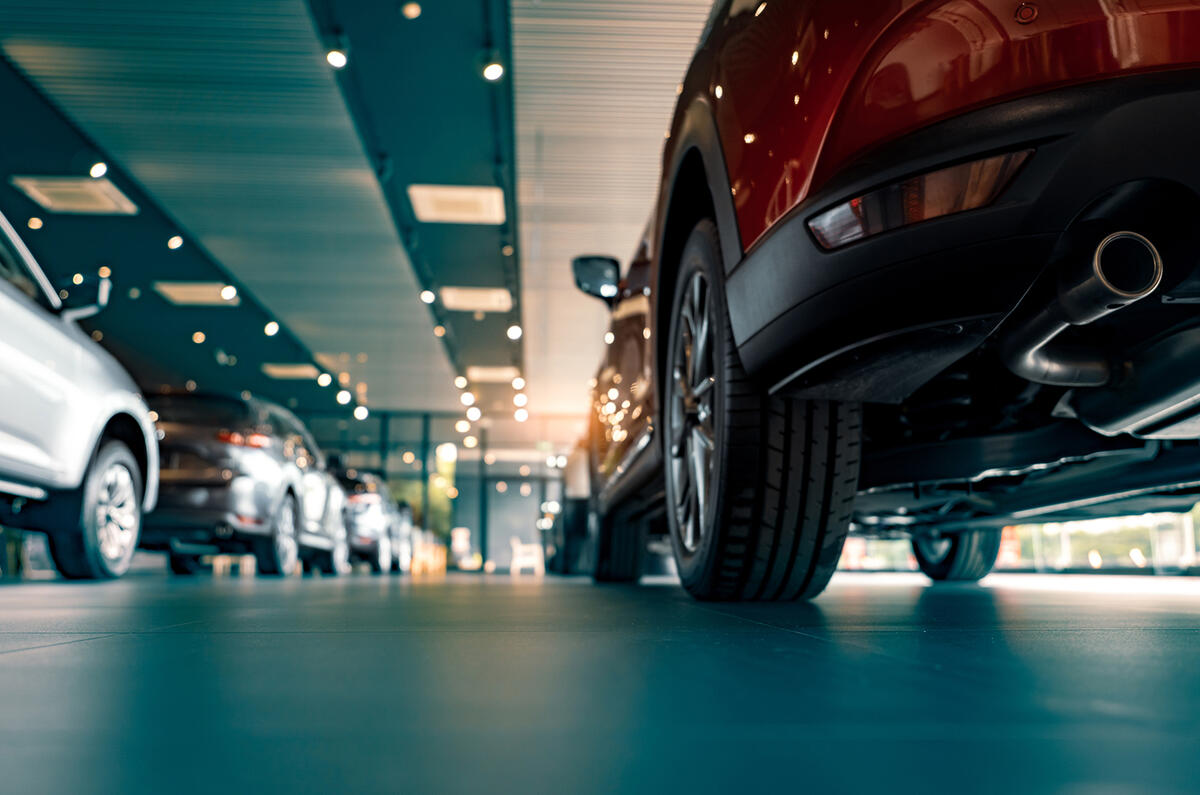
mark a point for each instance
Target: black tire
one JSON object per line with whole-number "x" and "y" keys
{"x": 273, "y": 555}
{"x": 963, "y": 557}
{"x": 183, "y": 565}
{"x": 92, "y": 547}
{"x": 620, "y": 547}
{"x": 781, "y": 472}
{"x": 333, "y": 562}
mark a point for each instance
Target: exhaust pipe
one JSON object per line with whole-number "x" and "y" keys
{"x": 1125, "y": 268}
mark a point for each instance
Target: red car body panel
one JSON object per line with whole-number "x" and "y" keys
{"x": 800, "y": 89}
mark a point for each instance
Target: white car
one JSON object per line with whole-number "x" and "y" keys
{"x": 78, "y": 453}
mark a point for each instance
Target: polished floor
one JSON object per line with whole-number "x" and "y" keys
{"x": 466, "y": 684}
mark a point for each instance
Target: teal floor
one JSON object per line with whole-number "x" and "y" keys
{"x": 466, "y": 684}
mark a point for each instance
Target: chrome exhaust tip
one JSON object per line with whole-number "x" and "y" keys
{"x": 1128, "y": 264}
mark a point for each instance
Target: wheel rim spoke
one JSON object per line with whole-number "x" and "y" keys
{"x": 690, "y": 430}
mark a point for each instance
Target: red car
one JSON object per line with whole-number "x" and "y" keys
{"x": 916, "y": 268}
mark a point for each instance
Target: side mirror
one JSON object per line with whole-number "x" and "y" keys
{"x": 597, "y": 276}
{"x": 87, "y": 298}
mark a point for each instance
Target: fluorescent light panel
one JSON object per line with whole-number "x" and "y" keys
{"x": 457, "y": 204}
{"x": 491, "y": 375}
{"x": 476, "y": 299}
{"x": 294, "y": 372}
{"x": 76, "y": 195}
{"x": 195, "y": 293}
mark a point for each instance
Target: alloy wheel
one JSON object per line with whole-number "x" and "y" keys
{"x": 117, "y": 514}
{"x": 691, "y": 437}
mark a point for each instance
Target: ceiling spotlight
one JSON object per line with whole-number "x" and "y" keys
{"x": 336, "y": 58}
{"x": 98, "y": 170}
{"x": 104, "y": 272}
{"x": 324, "y": 379}
{"x": 271, "y": 329}
{"x": 460, "y": 381}
{"x": 174, "y": 242}
{"x": 514, "y": 332}
{"x": 489, "y": 458}
{"x": 562, "y": 462}
{"x": 473, "y": 414}
{"x": 439, "y": 331}
{"x": 551, "y": 461}
{"x": 428, "y": 296}
{"x": 470, "y": 441}
{"x": 35, "y": 223}
{"x": 608, "y": 338}
{"x": 520, "y": 415}
{"x": 343, "y": 396}
{"x": 493, "y": 71}
{"x": 518, "y": 383}
{"x": 360, "y": 412}
{"x": 462, "y": 426}
{"x": 77, "y": 279}
{"x": 446, "y": 452}
{"x": 467, "y": 398}
{"x": 229, "y": 292}
{"x": 520, "y": 399}
{"x": 198, "y": 337}
{"x": 411, "y": 10}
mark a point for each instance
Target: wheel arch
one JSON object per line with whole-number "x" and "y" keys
{"x": 125, "y": 428}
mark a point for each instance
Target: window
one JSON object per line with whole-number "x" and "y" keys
{"x": 13, "y": 271}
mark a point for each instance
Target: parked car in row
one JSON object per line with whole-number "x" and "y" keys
{"x": 915, "y": 269}
{"x": 243, "y": 475}
{"x": 78, "y": 455}
{"x": 379, "y": 530}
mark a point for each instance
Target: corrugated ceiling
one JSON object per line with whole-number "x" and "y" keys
{"x": 595, "y": 87}
{"x": 225, "y": 111}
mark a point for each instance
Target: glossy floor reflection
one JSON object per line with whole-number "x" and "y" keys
{"x": 1029, "y": 684}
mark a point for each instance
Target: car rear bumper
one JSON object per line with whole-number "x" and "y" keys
{"x": 204, "y": 513}
{"x": 813, "y": 321}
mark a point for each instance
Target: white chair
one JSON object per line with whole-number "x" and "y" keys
{"x": 526, "y": 555}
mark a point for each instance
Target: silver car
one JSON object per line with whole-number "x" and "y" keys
{"x": 78, "y": 455}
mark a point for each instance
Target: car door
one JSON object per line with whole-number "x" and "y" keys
{"x": 39, "y": 360}
{"x": 624, "y": 394}
{"x": 316, "y": 483}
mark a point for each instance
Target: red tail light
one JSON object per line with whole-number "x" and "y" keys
{"x": 258, "y": 440}
{"x": 968, "y": 186}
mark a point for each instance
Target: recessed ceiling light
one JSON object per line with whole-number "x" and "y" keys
{"x": 608, "y": 338}
{"x": 174, "y": 242}
{"x": 473, "y": 414}
{"x": 228, "y": 292}
{"x": 76, "y": 195}
{"x": 104, "y": 272}
{"x": 514, "y": 332}
{"x": 98, "y": 170}
{"x": 460, "y": 382}
{"x": 467, "y": 398}
{"x": 520, "y": 415}
{"x": 518, "y": 383}
{"x": 198, "y": 337}
{"x": 439, "y": 331}
{"x": 462, "y": 426}
{"x": 197, "y": 293}
{"x": 34, "y": 223}
{"x": 336, "y": 58}
{"x": 287, "y": 371}
{"x": 324, "y": 379}
{"x": 411, "y": 10}
{"x": 501, "y": 374}
{"x": 428, "y": 296}
{"x": 507, "y": 250}
{"x": 520, "y": 399}
{"x": 457, "y": 204}
{"x": 271, "y": 329}
{"x": 493, "y": 71}
{"x": 470, "y": 441}
{"x": 476, "y": 299}
{"x": 361, "y": 412}
{"x": 343, "y": 396}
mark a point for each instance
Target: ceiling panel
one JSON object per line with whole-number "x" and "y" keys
{"x": 595, "y": 88}
{"x": 227, "y": 114}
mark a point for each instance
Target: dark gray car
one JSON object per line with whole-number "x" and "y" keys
{"x": 243, "y": 475}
